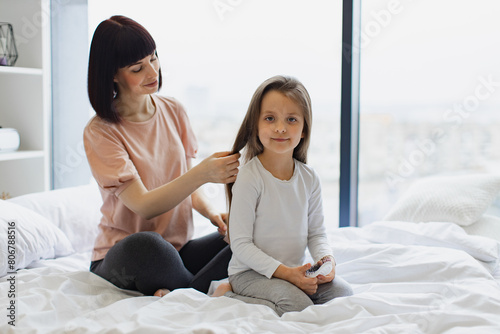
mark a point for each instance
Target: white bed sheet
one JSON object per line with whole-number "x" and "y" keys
{"x": 418, "y": 278}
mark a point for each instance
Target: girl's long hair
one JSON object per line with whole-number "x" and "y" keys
{"x": 247, "y": 138}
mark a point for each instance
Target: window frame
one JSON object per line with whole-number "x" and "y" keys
{"x": 349, "y": 114}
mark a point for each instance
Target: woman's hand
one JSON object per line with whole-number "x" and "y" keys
{"x": 200, "y": 201}
{"x": 205, "y": 208}
{"x": 218, "y": 220}
{"x": 220, "y": 167}
{"x": 297, "y": 276}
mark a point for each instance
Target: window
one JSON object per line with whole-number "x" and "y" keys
{"x": 214, "y": 54}
{"x": 429, "y": 95}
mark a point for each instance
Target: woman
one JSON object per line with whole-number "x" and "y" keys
{"x": 139, "y": 147}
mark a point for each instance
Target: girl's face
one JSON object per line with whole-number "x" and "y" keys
{"x": 139, "y": 78}
{"x": 281, "y": 123}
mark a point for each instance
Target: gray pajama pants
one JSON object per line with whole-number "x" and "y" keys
{"x": 280, "y": 295}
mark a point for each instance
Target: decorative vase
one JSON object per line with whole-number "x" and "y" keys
{"x": 8, "y": 50}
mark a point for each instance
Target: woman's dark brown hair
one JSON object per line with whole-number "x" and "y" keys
{"x": 117, "y": 42}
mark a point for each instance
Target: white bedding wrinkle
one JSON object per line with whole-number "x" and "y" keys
{"x": 445, "y": 237}
{"x": 438, "y": 234}
{"x": 404, "y": 282}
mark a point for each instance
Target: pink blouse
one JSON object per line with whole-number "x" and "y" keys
{"x": 156, "y": 151}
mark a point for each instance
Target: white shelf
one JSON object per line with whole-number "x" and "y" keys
{"x": 25, "y": 99}
{"x": 18, "y": 155}
{"x": 20, "y": 70}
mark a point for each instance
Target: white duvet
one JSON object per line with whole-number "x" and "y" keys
{"x": 407, "y": 278}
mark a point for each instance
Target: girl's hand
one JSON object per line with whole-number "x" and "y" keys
{"x": 327, "y": 278}
{"x": 307, "y": 284}
{"x": 297, "y": 276}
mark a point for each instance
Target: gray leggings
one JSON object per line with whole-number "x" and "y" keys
{"x": 280, "y": 295}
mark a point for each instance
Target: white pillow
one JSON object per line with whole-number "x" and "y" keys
{"x": 75, "y": 210}
{"x": 461, "y": 199}
{"x": 486, "y": 226}
{"x": 32, "y": 236}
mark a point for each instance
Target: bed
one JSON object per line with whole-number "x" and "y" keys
{"x": 430, "y": 266}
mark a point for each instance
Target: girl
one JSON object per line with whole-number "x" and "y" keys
{"x": 276, "y": 207}
{"x": 139, "y": 147}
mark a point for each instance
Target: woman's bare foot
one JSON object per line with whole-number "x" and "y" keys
{"x": 222, "y": 289}
{"x": 161, "y": 292}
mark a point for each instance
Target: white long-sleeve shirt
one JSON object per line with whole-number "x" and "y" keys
{"x": 272, "y": 221}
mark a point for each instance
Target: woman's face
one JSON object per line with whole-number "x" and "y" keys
{"x": 139, "y": 78}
